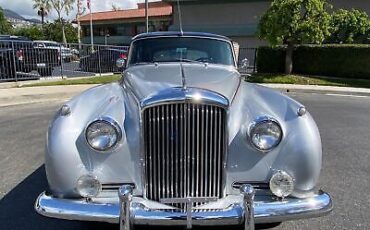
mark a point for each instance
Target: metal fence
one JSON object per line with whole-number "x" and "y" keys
{"x": 250, "y": 55}
{"x": 27, "y": 60}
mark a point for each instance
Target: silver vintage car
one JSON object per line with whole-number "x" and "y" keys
{"x": 183, "y": 140}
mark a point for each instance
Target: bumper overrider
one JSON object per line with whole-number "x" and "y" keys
{"x": 245, "y": 209}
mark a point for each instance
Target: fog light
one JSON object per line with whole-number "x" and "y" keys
{"x": 281, "y": 184}
{"x": 88, "y": 186}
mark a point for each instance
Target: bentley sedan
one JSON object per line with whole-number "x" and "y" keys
{"x": 182, "y": 139}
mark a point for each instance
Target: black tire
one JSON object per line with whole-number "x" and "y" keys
{"x": 47, "y": 72}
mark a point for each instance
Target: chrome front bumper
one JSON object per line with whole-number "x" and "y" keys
{"x": 231, "y": 210}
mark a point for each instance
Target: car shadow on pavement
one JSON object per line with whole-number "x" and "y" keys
{"x": 17, "y": 210}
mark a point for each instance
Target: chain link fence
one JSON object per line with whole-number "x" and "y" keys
{"x": 29, "y": 60}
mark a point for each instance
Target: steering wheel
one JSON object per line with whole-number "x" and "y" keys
{"x": 204, "y": 59}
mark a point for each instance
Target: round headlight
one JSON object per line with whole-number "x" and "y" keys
{"x": 103, "y": 134}
{"x": 266, "y": 134}
{"x": 281, "y": 184}
{"x": 88, "y": 186}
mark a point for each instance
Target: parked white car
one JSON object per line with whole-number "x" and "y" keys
{"x": 65, "y": 52}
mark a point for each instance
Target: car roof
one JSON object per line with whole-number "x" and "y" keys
{"x": 46, "y": 41}
{"x": 11, "y": 37}
{"x": 115, "y": 49}
{"x": 178, "y": 33}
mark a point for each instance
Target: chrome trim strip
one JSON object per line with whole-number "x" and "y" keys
{"x": 126, "y": 85}
{"x": 265, "y": 211}
{"x": 175, "y": 95}
{"x": 183, "y": 77}
{"x": 256, "y": 185}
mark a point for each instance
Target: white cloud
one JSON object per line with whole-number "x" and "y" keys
{"x": 25, "y": 7}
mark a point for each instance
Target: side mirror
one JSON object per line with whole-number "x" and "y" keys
{"x": 121, "y": 63}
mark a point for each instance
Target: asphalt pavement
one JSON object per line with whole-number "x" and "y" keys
{"x": 344, "y": 122}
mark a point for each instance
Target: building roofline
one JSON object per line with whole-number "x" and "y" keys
{"x": 126, "y": 14}
{"x": 213, "y": 1}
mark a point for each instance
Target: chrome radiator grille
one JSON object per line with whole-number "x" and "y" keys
{"x": 184, "y": 150}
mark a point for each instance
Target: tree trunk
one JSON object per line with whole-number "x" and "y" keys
{"x": 79, "y": 34}
{"x": 64, "y": 35}
{"x": 41, "y": 13}
{"x": 289, "y": 58}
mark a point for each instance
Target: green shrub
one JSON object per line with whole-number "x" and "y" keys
{"x": 270, "y": 60}
{"x": 346, "y": 61}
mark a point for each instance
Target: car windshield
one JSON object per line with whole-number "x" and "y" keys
{"x": 186, "y": 49}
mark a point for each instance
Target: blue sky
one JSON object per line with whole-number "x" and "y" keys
{"x": 24, "y": 7}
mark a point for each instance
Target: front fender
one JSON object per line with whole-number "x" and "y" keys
{"x": 299, "y": 153}
{"x": 68, "y": 156}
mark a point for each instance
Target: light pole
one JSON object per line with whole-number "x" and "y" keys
{"x": 147, "y": 15}
{"x": 91, "y": 26}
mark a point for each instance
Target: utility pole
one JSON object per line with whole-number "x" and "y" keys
{"x": 79, "y": 13}
{"x": 91, "y": 26}
{"x": 147, "y": 15}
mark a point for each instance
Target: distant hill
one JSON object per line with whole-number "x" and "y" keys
{"x": 14, "y": 15}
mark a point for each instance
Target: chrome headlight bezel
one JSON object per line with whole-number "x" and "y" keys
{"x": 260, "y": 121}
{"x": 114, "y": 125}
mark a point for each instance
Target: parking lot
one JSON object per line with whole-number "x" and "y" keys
{"x": 25, "y": 60}
{"x": 344, "y": 122}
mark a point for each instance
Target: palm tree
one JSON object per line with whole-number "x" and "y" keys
{"x": 43, "y": 7}
{"x": 62, "y": 7}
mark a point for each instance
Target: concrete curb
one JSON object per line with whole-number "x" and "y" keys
{"x": 32, "y": 101}
{"x": 9, "y": 85}
{"x": 319, "y": 89}
{"x": 19, "y": 96}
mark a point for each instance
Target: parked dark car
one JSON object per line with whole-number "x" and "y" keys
{"x": 19, "y": 57}
{"x": 64, "y": 52}
{"x": 105, "y": 59}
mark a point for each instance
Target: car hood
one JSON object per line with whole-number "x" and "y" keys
{"x": 152, "y": 79}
